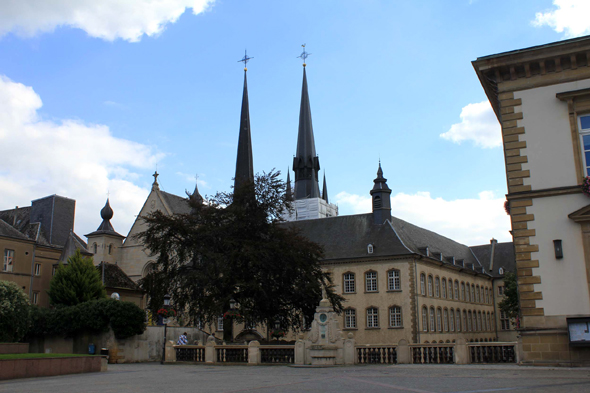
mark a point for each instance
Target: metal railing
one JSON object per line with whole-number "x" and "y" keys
{"x": 232, "y": 354}
{"x": 432, "y": 353}
{"x": 277, "y": 354}
{"x": 376, "y": 355}
{"x": 493, "y": 352}
{"x": 190, "y": 353}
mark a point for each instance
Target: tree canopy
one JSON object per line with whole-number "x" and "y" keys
{"x": 76, "y": 282}
{"x": 234, "y": 246}
{"x": 510, "y": 302}
{"x": 14, "y": 312}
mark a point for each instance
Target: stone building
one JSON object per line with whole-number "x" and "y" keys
{"x": 541, "y": 97}
{"x": 400, "y": 281}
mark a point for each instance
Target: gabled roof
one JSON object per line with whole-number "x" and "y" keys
{"x": 177, "y": 204}
{"x": 114, "y": 277}
{"x": 8, "y": 231}
{"x": 503, "y": 257}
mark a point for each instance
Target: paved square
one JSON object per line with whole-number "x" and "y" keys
{"x": 155, "y": 378}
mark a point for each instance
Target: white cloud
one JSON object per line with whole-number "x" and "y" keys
{"x": 468, "y": 221}
{"x": 106, "y": 19}
{"x": 478, "y": 124}
{"x": 570, "y": 16}
{"x": 68, "y": 158}
{"x": 191, "y": 179}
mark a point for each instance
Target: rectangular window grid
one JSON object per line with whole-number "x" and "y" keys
{"x": 504, "y": 321}
{"x": 371, "y": 281}
{"x": 372, "y": 318}
{"x": 349, "y": 286}
{"x": 8, "y": 260}
{"x": 37, "y": 269}
{"x": 585, "y": 136}
{"x": 350, "y": 319}
{"x": 220, "y": 323}
{"x": 395, "y": 316}
{"x": 393, "y": 280}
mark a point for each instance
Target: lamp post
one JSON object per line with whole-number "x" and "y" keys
{"x": 228, "y": 323}
{"x": 165, "y": 321}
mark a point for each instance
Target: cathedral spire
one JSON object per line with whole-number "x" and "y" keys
{"x": 306, "y": 164}
{"x": 244, "y": 165}
{"x": 195, "y": 196}
{"x": 381, "y": 195}
{"x": 325, "y": 190}
{"x": 289, "y": 196}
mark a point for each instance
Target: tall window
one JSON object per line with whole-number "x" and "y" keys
{"x": 94, "y": 248}
{"x": 350, "y": 318}
{"x": 474, "y": 318}
{"x": 479, "y": 324}
{"x": 584, "y": 124}
{"x": 504, "y": 321}
{"x": 467, "y": 296}
{"x": 489, "y": 323}
{"x": 456, "y": 290}
{"x": 452, "y": 320}
{"x": 478, "y": 295}
{"x": 371, "y": 281}
{"x": 500, "y": 291}
{"x": 444, "y": 288}
{"x": 439, "y": 320}
{"x": 487, "y": 296}
{"x": 422, "y": 284}
{"x": 473, "y": 293}
{"x": 446, "y": 320}
{"x": 424, "y": 319}
{"x": 220, "y": 323}
{"x": 458, "y": 320}
{"x": 8, "y": 260}
{"x": 395, "y": 316}
{"x": 393, "y": 281}
{"x": 35, "y": 297}
{"x": 37, "y": 269}
{"x": 349, "y": 285}
{"x": 432, "y": 319}
{"x": 372, "y": 317}
{"x": 463, "y": 291}
{"x": 430, "y": 286}
{"x": 465, "y": 324}
{"x": 437, "y": 287}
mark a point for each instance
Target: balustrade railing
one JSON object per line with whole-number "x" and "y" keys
{"x": 376, "y": 355}
{"x": 492, "y": 352}
{"x": 190, "y": 353}
{"x": 432, "y": 353}
{"x": 232, "y": 354}
{"x": 278, "y": 354}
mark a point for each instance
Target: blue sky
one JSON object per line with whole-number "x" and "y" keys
{"x": 94, "y": 97}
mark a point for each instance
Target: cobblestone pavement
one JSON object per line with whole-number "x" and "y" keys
{"x": 153, "y": 377}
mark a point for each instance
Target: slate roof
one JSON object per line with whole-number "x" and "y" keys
{"x": 177, "y": 204}
{"x": 8, "y": 231}
{"x": 503, "y": 257}
{"x": 114, "y": 277}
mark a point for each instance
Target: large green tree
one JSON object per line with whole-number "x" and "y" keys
{"x": 510, "y": 303}
{"x": 76, "y": 282}
{"x": 14, "y": 312}
{"x": 234, "y": 246}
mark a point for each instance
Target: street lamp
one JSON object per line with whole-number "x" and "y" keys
{"x": 232, "y": 304}
{"x": 228, "y": 323}
{"x": 165, "y": 322}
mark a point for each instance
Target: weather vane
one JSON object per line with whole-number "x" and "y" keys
{"x": 245, "y": 60}
{"x": 304, "y": 55}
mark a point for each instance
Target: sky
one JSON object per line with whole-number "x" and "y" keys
{"x": 94, "y": 96}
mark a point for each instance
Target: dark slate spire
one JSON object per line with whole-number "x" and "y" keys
{"x": 106, "y": 227}
{"x": 195, "y": 196}
{"x": 306, "y": 164}
{"x": 244, "y": 165}
{"x": 381, "y": 195}
{"x": 289, "y": 192}
{"x": 325, "y": 190}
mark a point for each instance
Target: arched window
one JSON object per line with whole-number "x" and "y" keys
{"x": 444, "y": 288}
{"x": 477, "y": 294}
{"x": 148, "y": 268}
{"x": 439, "y": 320}
{"x": 424, "y": 319}
{"x": 370, "y": 249}
{"x": 430, "y": 286}
{"x": 372, "y": 317}
{"x": 466, "y": 322}
{"x": 94, "y": 248}
{"x": 480, "y": 325}
{"x": 437, "y": 287}
{"x": 393, "y": 280}
{"x": 432, "y": 326}
{"x": 377, "y": 202}
{"x": 422, "y": 284}
{"x": 463, "y": 291}
{"x": 446, "y": 320}
{"x": 473, "y": 293}
{"x": 395, "y": 316}
{"x": 489, "y": 323}
{"x": 458, "y": 320}
{"x": 474, "y": 320}
{"x": 487, "y": 296}
{"x": 501, "y": 271}
{"x": 350, "y": 318}
{"x": 371, "y": 281}
{"x": 452, "y": 320}
{"x": 456, "y": 290}
{"x": 349, "y": 282}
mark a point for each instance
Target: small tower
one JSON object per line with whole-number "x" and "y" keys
{"x": 381, "y": 195}
{"x": 195, "y": 197}
{"x": 325, "y": 190}
{"x": 105, "y": 243}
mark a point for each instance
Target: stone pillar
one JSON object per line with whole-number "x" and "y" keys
{"x": 300, "y": 351}
{"x": 461, "y": 352}
{"x": 254, "y": 353}
{"x": 349, "y": 350}
{"x": 170, "y": 352}
{"x": 403, "y": 352}
{"x": 210, "y": 350}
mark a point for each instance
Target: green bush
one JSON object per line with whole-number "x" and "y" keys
{"x": 95, "y": 316}
{"x": 14, "y": 312}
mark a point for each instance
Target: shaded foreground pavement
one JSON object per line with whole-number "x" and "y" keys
{"x": 153, "y": 377}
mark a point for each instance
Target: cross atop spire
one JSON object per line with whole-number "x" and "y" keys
{"x": 155, "y": 185}
{"x": 304, "y": 55}
{"x": 245, "y": 60}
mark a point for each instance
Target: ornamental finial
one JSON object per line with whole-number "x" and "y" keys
{"x": 304, "y": 55}
{"x": 245, "y": 60}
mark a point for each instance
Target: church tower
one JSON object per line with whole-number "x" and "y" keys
{"x": 105, "y": 243}
{"x": 381, "y": 196}
{"x": 309, "y": 203}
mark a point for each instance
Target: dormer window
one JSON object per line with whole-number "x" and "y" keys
{"x": 370, "y": 249}
{"x": 501, "y": 271}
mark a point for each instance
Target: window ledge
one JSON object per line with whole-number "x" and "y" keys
{"x": 350, "y": 329}
{"x": 395, "y": 327}
{"x": 371, "y": 291}
{"x": 394, "y": 290}
{"x": 372, "y": 328}
{"x": 348, "y": 293}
